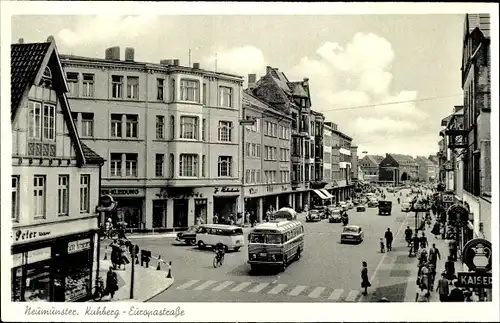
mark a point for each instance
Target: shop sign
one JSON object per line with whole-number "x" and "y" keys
{"x": 226, "y": 189}
{"x": 458, "y": 213}
{"x": 79, "y": 245}
{"x": 52, "y": 230}
{"x": 253, "y": 190}
{"x": 284, "y": 188}
{"x": 122, "y": 192}
{"x": 164, "y": 193}
{"x": 475, "y": 280}
{"x": 33, "y": 256}
{"x": 477, "y": 254}
{"x": 269, "y": 188}
{"x": 448, "y": 198}
{"x": 200, "y": 202}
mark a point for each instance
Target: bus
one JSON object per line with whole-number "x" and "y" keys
{"x": 275, "y": 244}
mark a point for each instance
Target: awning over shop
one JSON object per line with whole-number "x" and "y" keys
{"x": 326, "y": 193}
{"x": 321, "y": 195}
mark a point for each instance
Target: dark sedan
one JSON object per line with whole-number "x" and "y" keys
{"x": 188, "y": 236}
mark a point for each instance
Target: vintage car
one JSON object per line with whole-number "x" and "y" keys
{"x": 372, "y": 203}
{"x": 350, "y": 204}
{"x": 360, "y": 208}
{"x": 188, "y": 236}
{"x": 344, "y": 206}
{"x": 384, "y": 207}
{"x": 313, "y": 216}
{"x": 335, "y": 216}
{"x": 356, "y": 201}
{"x": 405, "y": 206}
{"x": 352, "y": 233}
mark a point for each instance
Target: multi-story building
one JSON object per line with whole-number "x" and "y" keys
{"x": 327, "y": 157}
{"x": 426, "y": 169}
{"x": 267, "y": 147}
{"x": 292, "y": 98}
{"x": 355, "y": 163}
{"x": 170, "y": 134}
{"x": 55, "y": 184}
{"x": 370, "y": 166}
{"x": 408, "y": 167}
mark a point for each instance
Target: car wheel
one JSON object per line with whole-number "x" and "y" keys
{"x": 201, "y": 245}
{"x": 236, "y": 248}
{"x": 191, "y": 242}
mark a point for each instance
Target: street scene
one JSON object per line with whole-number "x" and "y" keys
{"x": 354, "y": 169}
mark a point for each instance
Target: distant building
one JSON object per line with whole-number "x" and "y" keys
{"x": 397, "y": 168}
{"x": 427, "y": 170}
{"x": 408, "y": 167}
{"x": 370, "y": 166}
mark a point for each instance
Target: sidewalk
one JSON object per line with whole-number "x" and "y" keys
{"x": 148, "y": 282}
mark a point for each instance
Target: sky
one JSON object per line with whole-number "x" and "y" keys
{"x": 354, "y": 62}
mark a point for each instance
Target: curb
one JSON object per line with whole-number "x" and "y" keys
{"x": 163, "y": 290}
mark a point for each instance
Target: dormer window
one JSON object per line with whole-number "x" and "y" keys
{"x": 47, "y": 73}
{"x": 46, "y": 78}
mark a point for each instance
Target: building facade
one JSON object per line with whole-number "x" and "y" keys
{"x": 55, "y": 184}
{"x": 426, "y": 169}
{"x": 170, "y": 134}
{"x": 370, "y": 166}
{"x": 267, "y": 147}
{"x": 408, "y": 167}
{"x": 389, "y": 170}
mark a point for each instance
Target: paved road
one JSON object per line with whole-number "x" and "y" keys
{"x": 327, "y": 271}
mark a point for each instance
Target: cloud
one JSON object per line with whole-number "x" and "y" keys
{"x": 383, "y": 126}
{"x": 103, "y": 29}
{"x": 240, "y": 60}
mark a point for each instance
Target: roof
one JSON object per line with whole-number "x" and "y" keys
{"x": 26, "y": 61}
{"x": 251, "y": 99}
{"x": 375, "y": 159}
{"x": 480, "y": 21}
{"x": 91, "y": 157}
{"x": 298, "y": 89}
{"x": 221, "y": 226}
{"x": 278, "y": 225}
{"x": 404, "y": 159}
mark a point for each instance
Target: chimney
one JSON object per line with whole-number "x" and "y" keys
{"x": 20, "y": 41}
{"x": 252, "y": 79}
{"x": 306, "y": 81}
{"x": 196, "y": 66}
{"x": 176, "y": 62}
{"x": 166, "y": 62}
{"x": 269, "y": 69}
{"x": 129, "y": 54}
{"x": 113, "y": 53}
{"x": 50, "y": 39}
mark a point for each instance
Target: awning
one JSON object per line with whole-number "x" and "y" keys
{"x": 321, "y": 195}
{"x": 326, "y": 193}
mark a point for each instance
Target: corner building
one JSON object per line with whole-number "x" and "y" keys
{"x": 170, "y": 135}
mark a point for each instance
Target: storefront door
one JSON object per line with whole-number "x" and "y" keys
{"x": 200, "y": 210}
{"x": 130, "y": 211}
{"x": 159, "y": 214}
{"x": 181, "y": 209}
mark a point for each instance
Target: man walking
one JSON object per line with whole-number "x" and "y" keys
{"x": 388, "y": 239}
{"x": 408, "y": 235}
{"x": 443, "y": 288}
{"x": 434, "y": 255}
{"x": 453, "y": 249}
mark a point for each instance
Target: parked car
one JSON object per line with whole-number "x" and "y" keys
{"x": 373, "y": 203}
{"x": 188, "y": 236}
{"x": 352, "y": 233}
{"x": 335, "y": 216}
{"x": 313, "y": 216}
{"x": 405, "y": 206}
{"x": 350, "y": 204}
{"x": 344, "y": 206}
{"x": 360, "y": 208}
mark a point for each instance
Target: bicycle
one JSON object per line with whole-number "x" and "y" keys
{"x": 218, "y": 259}
{"x": 98, "y": 291}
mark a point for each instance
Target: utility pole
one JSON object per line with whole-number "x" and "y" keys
{"x": 132, "y": 273}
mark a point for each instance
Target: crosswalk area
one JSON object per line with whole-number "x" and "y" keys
{"x": 331, "y": 294}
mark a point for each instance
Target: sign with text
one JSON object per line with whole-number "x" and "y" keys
{"x": 475, "y": 280}
{"x": 226, "y": 189}
{"x": 252, "y": 191}
{"x": 32, "y": 257}
{"x": 79, "y": 245}
{"x": 122, "y": 191}
{"x": 448, "y": 198}
{"x": 477, "y": 254}
{"x": 52, "y": 230}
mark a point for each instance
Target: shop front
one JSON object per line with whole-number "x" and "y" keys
{"x": 225, "y": 202}
{"x": 130, "y": 206}
{"x": 262, "y": 198}
{"x": 54, "y": 262}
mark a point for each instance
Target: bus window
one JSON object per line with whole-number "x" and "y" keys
{"x": 273, "y": 239}
{"x": 201, "y": 230}
{"x": 237, "y": 232}
{"x": 257, "y": 238}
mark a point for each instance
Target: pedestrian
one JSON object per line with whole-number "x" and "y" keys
{"x": 422, "y": 295}
{"x": 423, "y": 241}
{"x": 456, "y": 294}
{"x": 111, "y": 282}
{"x": 408, "y": 235}
{"x": 365, "y": 283}
{"x": 414, "y": 246}
{"x": 388, "y": 239}
{"x": 215, "y": 218}
{"x": 116, "y": 260}
{"x": 434, "y": 255}
{"x": 436, "y": 229}
{"x": 452, "y": 245}
{"x": 443, "y": 288}
{"x": 449, "y": 267}
{"x": 382, "y": 246}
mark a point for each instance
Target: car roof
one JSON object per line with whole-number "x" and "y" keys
{"x": 352, "y": 226}
{"x": 220, "y": 226}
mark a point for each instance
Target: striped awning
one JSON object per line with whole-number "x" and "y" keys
{"x": 321, "y": 195}
{"x": 326, "y": 193}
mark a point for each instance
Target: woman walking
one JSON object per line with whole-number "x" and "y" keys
{"x": 111, "y": 282}
{"x": 365, "y": 283}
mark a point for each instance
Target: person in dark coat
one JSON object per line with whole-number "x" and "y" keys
{"x": 116, "y": 258}
{"x": 111, "y": 282}
{"x": 365, "y": 283}
{"x": 408, "y": 235}
{"x": 449, "y": 267}
{"x": 423, "y": 241}
{"x": 456, "y": 294}
{"x": 388, "y": 239}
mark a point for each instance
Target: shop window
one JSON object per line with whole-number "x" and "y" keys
{"x": 77, "y": 281}
{"x": 37, "y": 282}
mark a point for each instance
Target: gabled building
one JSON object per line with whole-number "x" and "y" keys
{"x": 389, "y": 170}
{"x": 370, "y": 166}
{"x": 55, "y": 184}
{"x": 426, "y": 169}
{"x": 408, "y": 168}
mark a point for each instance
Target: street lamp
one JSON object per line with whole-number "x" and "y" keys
{"x": 243, "y": 123}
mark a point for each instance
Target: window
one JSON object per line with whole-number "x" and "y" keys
{"x": 275, "y": 130}
{"x": 252, "y": 179}
{"x": 63, "y": 195}
{"x": 47, "y": 73}
{"x": 88, "y": 85}
{"x": 203, "y": 129}
{"x": 116, "y": 86}
{"x": 171, "y": 166}
{"x": 116, "y": 165}
{"x": 87, "y": 124}
{"x": 131, "y": 165}
{"x": 72, "y": 83}
{"x": 190, "y": 90}
{"x": 188, "y": 165}
{"x": 257, "y": 176}
{"x": 159, "y": 165}
{"x": 205, "y": 98}
{"x": 172, "y": 127}
{"x": 226, "y": 96}
{"x": 15, "y": 198}
{"x": 49, "y": 117}
{"x": 133, "y": 87}
{"x": 172, "y": 90}
{"x": 84, "y": 193}
{"x": 189, "y": 127}
{"x": 225, "y": 166}
{"x": 203, "y": 165}
{"x": 37, "y": 129}
{"x": 116, "y": 125}
{"x": 160, "y": 89}
{"x": 131, "y": 126}
{"x": 225, "y": 129}
{"x": 253, "y": 154}
{"x": 160, "y": 127}
{"x": 247, "y": 149}
{"x": 247, "y": 176}
{"x": 35, "y": 120}
{"x": 257, "y": 125}
{"x": 39, "y": 197}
